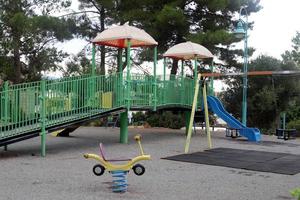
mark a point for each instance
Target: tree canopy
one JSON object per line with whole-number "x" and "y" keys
{"x": 28, "y": 33}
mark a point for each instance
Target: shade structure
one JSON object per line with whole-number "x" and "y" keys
{"x": 117, "y": 37}
{"x": 188, "y": 50}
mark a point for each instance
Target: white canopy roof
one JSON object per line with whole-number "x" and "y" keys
{"x": 117, "y": 37}
{"x": 188, "y": 50}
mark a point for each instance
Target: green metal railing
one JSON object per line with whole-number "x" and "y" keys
{"x": 37, "y": 106}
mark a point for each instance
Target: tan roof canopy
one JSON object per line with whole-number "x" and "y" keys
{"x": 117, "y": 37}
{"x": 188, "y": 50}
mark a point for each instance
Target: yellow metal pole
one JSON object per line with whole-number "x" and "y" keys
{"x": 206, "y": 117}
{"x": 189, "y": 135}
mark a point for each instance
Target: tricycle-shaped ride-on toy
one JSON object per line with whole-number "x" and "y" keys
{"x": 119, "y": 171}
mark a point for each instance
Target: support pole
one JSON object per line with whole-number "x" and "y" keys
{"x": 195, "y": 72}
{"x": 189, "y": 135}
{"x": 124, "y": 127}
{"x": 5, "y": 102}
{"x": 211, "y": 87}
{"x": 165, "y": 63}
{"x": 182, "y": 95}
{"x": 182, "y": 67}
{"x": 128, "y": 75}
{"x": 187, "y": 120}
{"x": 207, "y": 130}
{"x": 5, "y": 147}
{"x": 92, "y": 80}
{"x": 195, "y": 77}
{"x": 245, "y": 78}
{"x": 155, "y": 81}
{"x": 43, "y": 117}
{"x": 93, "y": 60}
{"x": 120, "y": 78}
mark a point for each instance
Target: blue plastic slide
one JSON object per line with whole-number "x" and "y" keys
{"x": 215, "y": 105}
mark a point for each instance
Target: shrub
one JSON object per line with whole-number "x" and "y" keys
{"x": 166, "y": 119}
{"x": 296, "y": 193}
{"x": 138, "y": 118}
{"x": 294, "y": 124}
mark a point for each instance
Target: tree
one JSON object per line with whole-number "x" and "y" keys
{"x": 28, "y": 34}
{"x": 268, "y": 96}
{"x": 77, "y": 65}
{"x": 292, "y": 58}
{"x": 173, "y": 21}
{"x": 294, "y": 54}
{"x": 94, "y": 16}
{"x": 209, "y": 23}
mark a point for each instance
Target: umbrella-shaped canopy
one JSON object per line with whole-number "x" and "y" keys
{"x": 117, "y": 37}
{"x": 188, "y": 50}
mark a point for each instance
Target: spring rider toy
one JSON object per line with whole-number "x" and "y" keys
{"x": 119, "y": 171}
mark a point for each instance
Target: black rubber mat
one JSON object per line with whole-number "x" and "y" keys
{"x": 281, "y": 163}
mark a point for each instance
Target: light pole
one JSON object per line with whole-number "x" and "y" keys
{"x": 241, "y": 31}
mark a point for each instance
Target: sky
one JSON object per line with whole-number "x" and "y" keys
{"x": 274, "y": 27}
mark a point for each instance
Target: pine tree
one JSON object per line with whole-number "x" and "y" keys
{"x": 28, "y": 34}
{"x": 209, "y": 23}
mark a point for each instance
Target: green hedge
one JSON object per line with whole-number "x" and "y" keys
{"x": 166, "y": 119}
{"x": 294, "y": 124}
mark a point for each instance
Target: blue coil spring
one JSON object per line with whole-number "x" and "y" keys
{"x": 119, "y": 181}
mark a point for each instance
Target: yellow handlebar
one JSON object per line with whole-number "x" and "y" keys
{"x": 138, "y": 137}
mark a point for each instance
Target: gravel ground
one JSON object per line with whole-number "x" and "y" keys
{"x": 65, "y": 174}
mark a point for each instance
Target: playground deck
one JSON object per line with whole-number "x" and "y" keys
{"x": 65, "y": 174}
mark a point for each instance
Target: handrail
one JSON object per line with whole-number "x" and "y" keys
{"x": 70, "y": 99}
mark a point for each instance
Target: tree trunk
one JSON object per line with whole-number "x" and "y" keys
{"x": 102, "y": 48}
{"x": 17, "y": 62}
{"x": 174, "y": 69}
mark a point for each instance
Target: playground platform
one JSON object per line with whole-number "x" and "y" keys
{"x": 65, "y": 174}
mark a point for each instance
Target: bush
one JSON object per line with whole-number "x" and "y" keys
{"x": 296, "y": 193}
{"x": 138, "y": 118}
{"x": 166, "y": 119}
{"x": 294, "y": 125}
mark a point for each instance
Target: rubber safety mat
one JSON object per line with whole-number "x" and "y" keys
{"x": 281, "y": 163}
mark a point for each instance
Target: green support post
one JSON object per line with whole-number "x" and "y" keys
{"x": 92, "y": 81}
{"x": 195, "y": 72}
{"x": 120, "y": 78}
{"x": 128, "y": 75}
{"x": 182, "y": 67}
{"x": 43, "y": 117}
{"x": 187, "y": 120}
{"x": 154, "y": 74}
{"x": 124, "y": 127}
{"x": 5, "y": 102}
{"x": 164, "y": 97}
{"x": 93, "y": 60}
{"x": 211, "y": 87}
{"x": 182, "y": 96}
{"x": 195, "y": 77}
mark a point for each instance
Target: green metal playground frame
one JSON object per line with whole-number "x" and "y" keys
{"x": 37, "y": 108}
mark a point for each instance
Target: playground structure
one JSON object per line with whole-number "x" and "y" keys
{"x": 35, "y": 109}
{"x": 119, "y": 171}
